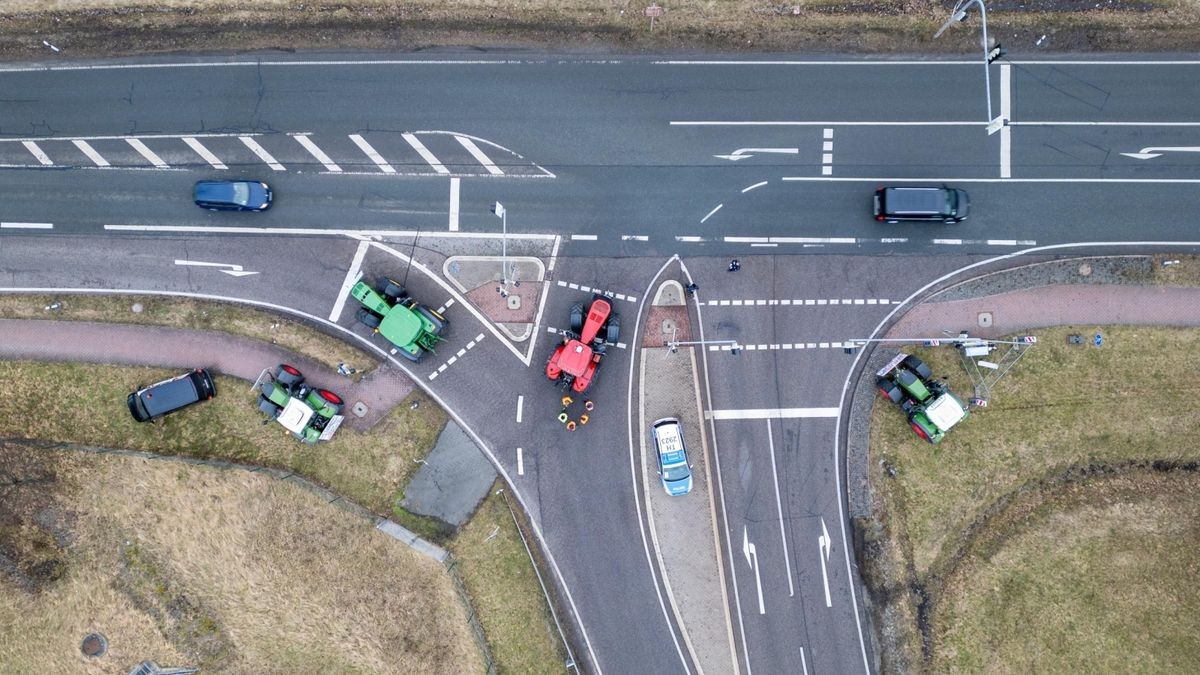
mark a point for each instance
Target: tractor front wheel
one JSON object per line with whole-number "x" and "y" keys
{"x": 368, "y": 318}
{"x": 392, "y": 291}
{"x": 288, "y": 376}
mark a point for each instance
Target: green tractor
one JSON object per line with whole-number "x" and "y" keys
{"x": 311, "y": 414}
{"x": 931, "y": 408}
{"x": 412, "y": 327}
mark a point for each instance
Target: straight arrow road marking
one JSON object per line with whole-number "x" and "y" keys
{"x": 752, "y": 560}
{"x": 824, "y": 545}
{"x": 233, "y": 271}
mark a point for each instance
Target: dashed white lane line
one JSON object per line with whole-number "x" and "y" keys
{"x": 444, "y": 307}
{"x": 797, "y": 302}
{"x": 37, "y": 152}
{"x": 425, "y": 154}
{"x": 690, "y": 239}
{"x": 88, "y": 150}
{"x": 261, "y": 153}
{"x": 449, "y": 362}
{"x": 951, "y": 242}
{"x": 26, "y": 226}
{"x": 769, "y": 413}
{"x": 589, "y": 289}
{"x": 559, "y": 331}
{"x": 520, "y": 462}
{"x": 479, "y": 155}
{"x": 634, "y": 237}
{"x": 756, "y": 185}
{"x": 710, "y": 213}
{"x": 137, "y": 144}
{"x": 583, "y": 237}
{"x": 520, "y": 408}
{"x": 779, "y": 346}
{"x": 455, "y": 188}
{"x": 371, "y": 153}
{"x": 317, "y": 152}
{"x": 204, "y": 153}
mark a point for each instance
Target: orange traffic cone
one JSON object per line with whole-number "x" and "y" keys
{"x": 583, "y": 419}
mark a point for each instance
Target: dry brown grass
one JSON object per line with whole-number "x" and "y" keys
{"x": 277, "y": 579}
{"x": 197, "y": 314}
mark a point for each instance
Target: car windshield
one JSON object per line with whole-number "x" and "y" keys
{"x": 241, "y": 193}
{"x": 677, "y": 472}
{"x": 951, "y": 203}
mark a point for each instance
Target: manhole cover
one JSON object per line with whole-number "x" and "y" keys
{"x": 359, "y": 409}
{"x": 514, "y": 302}
{"x": 1085, "y": 270}
{"x": 668, "y": 326}
{"x": 985, "y": 319}
{"x": 94, "y": 645}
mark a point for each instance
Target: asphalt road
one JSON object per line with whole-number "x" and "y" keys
{"x": 627, "y": 160}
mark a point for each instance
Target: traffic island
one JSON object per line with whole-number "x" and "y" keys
{"x": 512, "y": 306}
{"x": 683, "y": 528}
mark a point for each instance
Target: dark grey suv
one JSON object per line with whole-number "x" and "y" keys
{"x": 170, "y": 395}
{"x": 945, "y": 204}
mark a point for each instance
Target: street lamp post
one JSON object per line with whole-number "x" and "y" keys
{"x": 498, "y": 209}
{"x": 959, "y": 14}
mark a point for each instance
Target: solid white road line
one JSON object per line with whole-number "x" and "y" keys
{"x": 1005, "y": 113}
{"x": 520, "y": 406}
{"x": 370, "y": 152}
{"x": 146, "y": 152}
{"x": 770, "y": 413}
{"x": 261, "y": 152}
{"x": 479, "y": 155}
{"x": 318, "y": 232}
{"x": 756, "y": 185}
{"x": 88, "y": 150}
{"x": 204, "y": 153}
{"x": 454, "y": 202}
{"x": 520, "y": 462}
{"x": 425, "y": 153}
{"x": 803, "y": 661}
{"x": 33, "y": 148}
{"x": 583, "y": 237}
{"x": 352, "y": 276}
{"x": 844, "y": 179}
{"x": 779, "y": 508}
{"x": 26, "y": 226}
{"x": 317, "y": 152}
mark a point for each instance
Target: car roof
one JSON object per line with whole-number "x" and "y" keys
{"x": 168, "y": 395}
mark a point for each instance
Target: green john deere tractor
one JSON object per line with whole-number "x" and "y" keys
{"x": 388, "y": 310}
{"x": 311, "y": 414}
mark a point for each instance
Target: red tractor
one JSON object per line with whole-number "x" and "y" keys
{"x": 575, "y": 361}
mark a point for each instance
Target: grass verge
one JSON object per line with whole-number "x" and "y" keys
{"x": 195, "y": 314}
{"x": 1063, "y": 410}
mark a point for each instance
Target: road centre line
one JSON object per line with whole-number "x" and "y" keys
{"x": 36, "y": 151}
{"x": 634, "y": 237}
{"x": 316, "y": 152}
{"x": 372, "y": 154}
{"x": 352, "y": 276}
{"x": 446, "y": 305}
{"x": 146, "y": 152}
{"x": 88, "y": 150}
{"x": 261, "y": 153}
{"x": 204, "y": 152}
{"x": 454, "y": 202}
{"x": 520, "y": 462}
{"x": 520, "y": 406}
{"x": 453, "y": 359}
{"x": 309, "y": 231}
{"x": 424, "y": 152}
{"x": 583, "y": 237}
{"x": 1026, "y": 62}
{"x": 479, "y": 155}
{"x": 27, "y": 226}
{"x": 926, "y": 123}
{"x": 779, "y": 508}
{"x": 763, "y": 245}
{"x": 769, "y": 413}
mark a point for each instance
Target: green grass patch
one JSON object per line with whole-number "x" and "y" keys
{"x": 195, "y": 314}
{"x": 505, "y": 591}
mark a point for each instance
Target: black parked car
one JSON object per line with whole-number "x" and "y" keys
{"x": 232, "y": 195}
{"x": 918, "y": 202}
{"x": 170, "y": 395}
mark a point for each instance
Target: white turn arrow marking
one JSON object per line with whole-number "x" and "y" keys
{"x": 743, "y": 153}
{"x": 1151, "y": 153}
{"x": 752, "y": 560}
{"x": 233, "y": 271}
{"x": 824, "y": 545}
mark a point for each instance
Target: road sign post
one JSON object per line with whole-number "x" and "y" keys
{"x": 653, "y": 11}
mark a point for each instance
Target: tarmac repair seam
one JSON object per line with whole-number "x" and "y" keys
{"x": 449, "y": 362}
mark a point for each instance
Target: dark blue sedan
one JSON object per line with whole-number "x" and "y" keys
{"x": 232, "y": 195}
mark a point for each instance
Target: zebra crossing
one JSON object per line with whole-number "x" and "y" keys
{"x": 417, "y": 153}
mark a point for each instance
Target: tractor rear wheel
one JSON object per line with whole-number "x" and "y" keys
{"x": 368, "y": 318}
{"x": 288, "y": 376}
{"x": 333, "y": 399}
{"x": 918, "y": 366}
{"x": 268, "y": 407}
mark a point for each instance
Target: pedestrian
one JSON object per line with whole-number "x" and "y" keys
{"x": 346, "y": 370}
{"x": 692, "y": 288}
{"x": 734, "y": 265}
